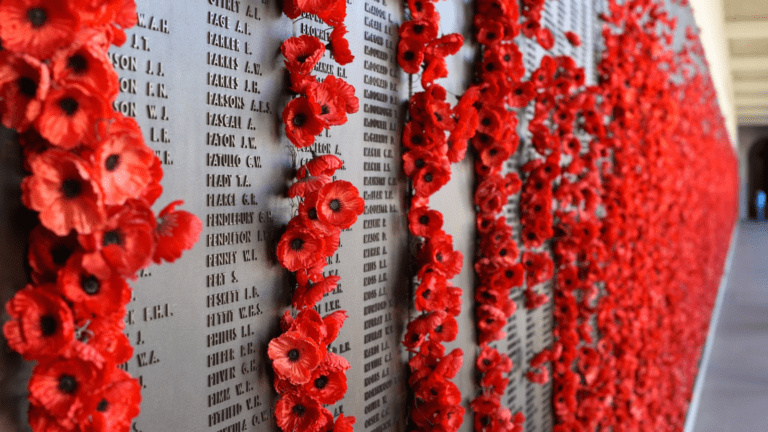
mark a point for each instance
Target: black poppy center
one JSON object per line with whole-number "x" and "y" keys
{"x": 428, "y": 177}
{"x": 486, "y": 420}
{"x": 321, "y": 382}
{"x": 486, "y": 362}
{"x": 299, "y": 410}
{"x": 111, "y": 237}
{"x": 409, "y": 55}
{"x": 439, "y": 257}
{"x": 312, "y": 213}
{"x": 302, "y": 58}
{"x": 503, "y": 252}
{"x": 426, "y": 293}
{"x": 418, "y": 6}
{"x": 486, "y": 121}
{"x": 493, "y": 152}
{"x": 509, "y": 273}
{"x": 325, "y": 109}
{"x": 335, "y": 205}
{"x": 299, "y": 119}
{"x": 490, "y": 67}
{"x": 419, "y": 163}
{"x": 418, "y": 29}
{"x": 531, "y": 236}
{"x": 67, "y": 384}
{"x": 90, "y": 284}
{"x": 417, "y": 139}
{"x": 491, "y": 35}
{"x": 27, "y": 86}
{"x": 439, "y": 329}
{"x": 37, "y": 17}
{"x": 518, "y": 92}
{"x": 507, "y": 57}
{"x": 293, "y": 354}
{"x": 112, "y": 162}
{"x": 537, "y": 208}
{"x": 71, "y": 188}
{"x": 48, "y": 325}
{"x": 69, "y": 106}
{"x": 78, "y": 63}
{"x": 424, "y": 220}
{"x": 102, "y": 406}
{"x": 297, "y": 244}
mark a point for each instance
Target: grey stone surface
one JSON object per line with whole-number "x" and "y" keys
{"x": 735, "y": 390}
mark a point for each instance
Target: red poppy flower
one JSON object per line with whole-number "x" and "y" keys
{"x": 152, "y": 192}
{"x": 339, "y": 204}
{"x": 48, "y": 253}
{"x": 122, "y": 160}
{"x": 124, "y": 244}
{"x": 300, "y": 412}
{"x": 104, "y": 336}
{"x": 301, "y": 82}
{"x": 490, "y": 324}
{"x": 345, "y": 91}
{"x": 327, "y": 105}
{"x": 320, "y": 165}
{"x": 176, "y": 231}
{"x": 424, "y": 222}
{"x": 430, "y": 178}
{"x": 489, "y": 31}
{"x": 410, "y": 55}
{"x": 308, "y": 185}
{"x": 302, "y": 53}
{"x": 538, "y": 267}
{"x": 85, "y": 63}
{"x": 421, "y": 31}
{"x": 41, "y": 323}
{"x": 118, "y": 405}
{"x": 438, "y": 252}
{"x": 294, "y": 357}
{"x": 69, "y": 114}
{"x": 301, "y": 122}
{"x": 344, "y": 424}
{"x": 63, "y": 190}
{"x": 332, "y": 12}
{"x": 329, "y": 381}
{"x": 299, "y": 249}
{"x": 441, "y": 326}
{"x": 24, "y": 84}
{"x": 339, "y": 46}
{"x": 65, "y": 387}
{"x": 37, "y": 27}
{"x": 309, "y": 291}
{"x": 89, "y": 294}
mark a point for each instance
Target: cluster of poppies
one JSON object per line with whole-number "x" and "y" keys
{"x": 641, "y": 234}
{"x": 499, "y": 82}
{"x": 307, "y": 375}
{"x": 319, "y": 105}
{"x": 435, "y": 136}
{"x": 92, "y": 181}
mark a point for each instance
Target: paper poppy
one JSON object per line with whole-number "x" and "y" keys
{"x": 176, "y": 231}
{"x": 294, "y": 357}
{"x": 339, "y": 204}
{"x": 63, "y": 189}
{"x": 299, "y": 412}
{"x": 37, "y": 27}
{"x": 41, "y": 323}
{"x": 301, "y": 122}
{"x": 24, "y": 84}
{"x": 302, "y": 53}
{"x": 339, "y": 46}
{"x": 299, "y": 248}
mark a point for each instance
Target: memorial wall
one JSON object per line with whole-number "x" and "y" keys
{"x": 206, "y": 82}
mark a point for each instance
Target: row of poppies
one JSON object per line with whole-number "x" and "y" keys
{"x": 307, "y": 374}
{"x": 434, "y": 136}
{"x": 92, "y": 181}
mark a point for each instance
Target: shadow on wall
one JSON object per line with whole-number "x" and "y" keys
{"x": 758, "y": 175}
{"x": 15, "y": 223}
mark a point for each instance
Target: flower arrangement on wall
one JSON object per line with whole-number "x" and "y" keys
{"x": 92, "y": 181}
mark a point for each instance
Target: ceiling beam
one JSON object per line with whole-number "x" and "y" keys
{"x": 752, "y": 101}
{"x": 749, "y": 63}
{"x": 749, "y": 86}
{"x": 746, "y": 30}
